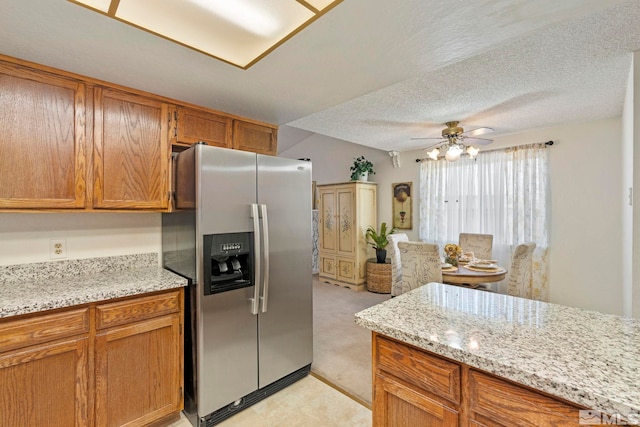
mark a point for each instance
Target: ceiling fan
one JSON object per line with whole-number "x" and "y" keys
{"x": 455, "y": 140}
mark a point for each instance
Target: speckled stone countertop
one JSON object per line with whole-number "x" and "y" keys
{"x": 589, "y": 358}
{"x": 30, "y": 288}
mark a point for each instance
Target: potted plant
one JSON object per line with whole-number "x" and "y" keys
{"x": 361, "y": 169}
{"x": 378, "y": 239}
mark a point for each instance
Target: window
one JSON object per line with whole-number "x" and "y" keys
{"x": 502, "y": 192}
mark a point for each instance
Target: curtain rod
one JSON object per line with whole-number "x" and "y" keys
{"x": 487, "y": 151}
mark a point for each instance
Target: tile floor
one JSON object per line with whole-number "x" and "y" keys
{"x": 306, "y": 403}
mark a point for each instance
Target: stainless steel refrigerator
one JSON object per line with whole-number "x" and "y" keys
{"x": 242, "y": 233}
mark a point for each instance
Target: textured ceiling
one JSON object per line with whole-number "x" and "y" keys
{"x": 372, "y": 72}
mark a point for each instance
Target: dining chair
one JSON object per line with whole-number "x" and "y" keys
{"x": 519, "y": 278}
{"x": 394, "y": 255}
{"x": 480, "y": 244}
{"x": 420, "y": 265}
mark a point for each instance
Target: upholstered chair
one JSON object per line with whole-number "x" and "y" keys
{"x": 420, "y": 265}
{"x": 480, "y": 244}
{"x": 519, "y": 278}
{"x": 394, "y": 255}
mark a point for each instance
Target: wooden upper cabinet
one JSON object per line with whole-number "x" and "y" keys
{"x": 42, "y": 140}
{"x": 192, "y": 125}
{"x": 131, "y": 151}
{"x": 255, "y": 138}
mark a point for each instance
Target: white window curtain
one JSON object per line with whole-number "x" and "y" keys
{"x": 501, "y": 192}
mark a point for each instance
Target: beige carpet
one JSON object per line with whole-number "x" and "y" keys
{"x": 342, "y": 349}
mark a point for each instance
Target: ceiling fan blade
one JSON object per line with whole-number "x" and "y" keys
{"x": 443, "y": 140}
{"x": 477, "y": 141}
{"x": 432, "y": 146}
{"x": 478, "y": 131}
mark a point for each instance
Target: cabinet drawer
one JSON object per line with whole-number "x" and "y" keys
{"x": 430, "y": 373}
{"x": 136, "y": 309}
{"x": 493, "y": 400}
{"x": 328, "y": 266}
{"x": 346, "y": 269}
{"x": 46, "y": 327}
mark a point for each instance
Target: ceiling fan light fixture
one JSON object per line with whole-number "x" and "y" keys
{"x": 433, "y": 154}
{"x": 472, "y": 152}
{"x": 453, "y": 153}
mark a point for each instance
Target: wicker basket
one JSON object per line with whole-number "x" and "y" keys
{"x": 378, "y": 277}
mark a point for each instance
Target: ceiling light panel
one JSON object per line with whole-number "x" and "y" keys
{"x": 239, "y": 32}
{"x": 319, "y": 4}
{"x": 101, "y": 5}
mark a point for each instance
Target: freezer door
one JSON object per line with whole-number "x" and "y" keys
{"x": 285, "y": 328}
{"x": 226, "y": 187}
{"x": 227, "y": 329}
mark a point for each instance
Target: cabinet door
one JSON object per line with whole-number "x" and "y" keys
{"x": 346, "y": 270}
{"x": 328, "y": 217}
{"x": 395, "y": 404}
{"x": 45, "y": 385}
{"x": 131, "y": 154}
{"x": 255, "y": 138}
{"x": 193, "y": 125}
{"x": 346, "y": 210}
{"x": 138, "y": 372}
{"x": 42, "y": 140}
{"x": 328, "y": 266}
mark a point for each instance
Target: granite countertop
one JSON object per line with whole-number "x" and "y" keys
{"x": 586, "y": 357}
{"x": 30, "y": 288}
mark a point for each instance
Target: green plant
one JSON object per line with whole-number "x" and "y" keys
{"x": 378, "y": 239}
{"x": 360, "y": 166}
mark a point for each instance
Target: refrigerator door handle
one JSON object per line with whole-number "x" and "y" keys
{"x": 256, "y": 258}
{"x": 265, "y": 244}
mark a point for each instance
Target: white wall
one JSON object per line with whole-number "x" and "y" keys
{"x": 626, "y": 250}
{"x": 586, "y": 230}
{"x": 636, "y": 184}
{"x": 586, "y": 189}
{"x": 331, "y": 158}
{"x": 25, "y": 236}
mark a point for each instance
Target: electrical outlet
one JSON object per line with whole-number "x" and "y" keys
{"x": 57, "y": 248}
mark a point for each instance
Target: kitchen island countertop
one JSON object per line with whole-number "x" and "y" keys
{"x": 586, "y": 357}
{"x": 31, "y": 288}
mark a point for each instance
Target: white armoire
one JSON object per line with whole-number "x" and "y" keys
{"x": 346, "y": 210}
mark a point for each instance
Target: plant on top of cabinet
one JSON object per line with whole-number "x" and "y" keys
{"x": 361, "y": 169}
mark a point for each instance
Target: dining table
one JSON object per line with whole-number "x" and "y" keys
{"x": 472, "y": 277}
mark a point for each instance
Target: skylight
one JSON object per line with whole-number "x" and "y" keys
{"x": 240, "y": 32}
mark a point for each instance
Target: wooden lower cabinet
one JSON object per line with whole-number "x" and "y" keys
{"x": 496, "y": 402}
{"x": 45, "y": 385}
{"x": 398, "y": 404}
{"x": 413, "y": 387}
{"x": 57, "y": 370}
{"x": 139, "y": 369}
